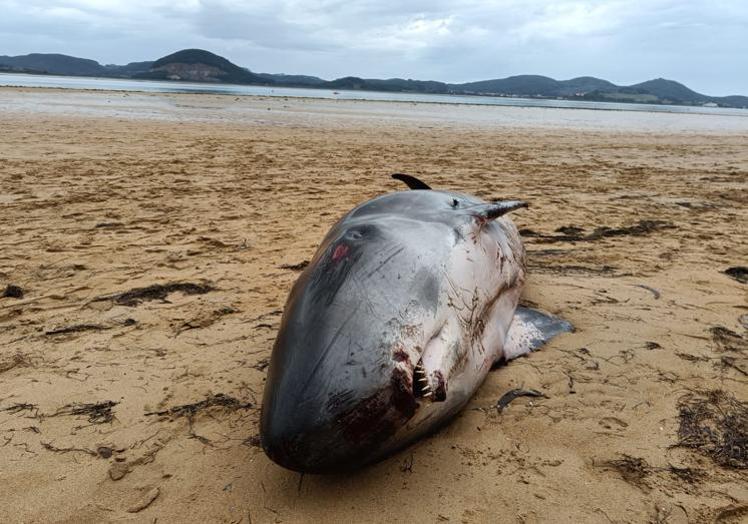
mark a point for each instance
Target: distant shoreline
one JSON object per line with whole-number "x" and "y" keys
{"x": 207, "y": 68}
{"x": 124, "y": 85}
{"x": 321, "y": 113}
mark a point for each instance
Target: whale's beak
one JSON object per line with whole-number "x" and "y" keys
{"x": 493, "y": 210}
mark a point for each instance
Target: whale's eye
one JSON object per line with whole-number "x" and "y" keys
{"x": 455, "y": 202}
{"x": 361, "y": 231}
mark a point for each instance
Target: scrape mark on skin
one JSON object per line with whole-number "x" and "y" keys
{"x": 330, "y": 344}
{"x": 340, "y": 399}
{"x": 384, "y": 262}
{"x": 333, "y": 272}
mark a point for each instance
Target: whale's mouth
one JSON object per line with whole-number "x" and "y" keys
{"x": 429, "y": 384}
{"x": 435, "y": 364}
{"x": 421, "y": 387}
{"x": 434, "y": 361}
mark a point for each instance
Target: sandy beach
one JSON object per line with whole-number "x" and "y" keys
{"x": 150, "y": 240}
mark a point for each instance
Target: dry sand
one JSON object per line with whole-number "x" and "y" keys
{"x": 101, "y": 193}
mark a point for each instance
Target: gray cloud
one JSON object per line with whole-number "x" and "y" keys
{"x": 701, "y": 43}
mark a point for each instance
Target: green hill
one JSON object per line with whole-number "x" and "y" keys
{"x": 733, "y": 101}
{"x": 292, "y": 80}
{"x": 584, "y": 84}
{"x": 671, "y": 90}
{"x": 198, "y": 65}
{"x": 54, "y": 64}
{"x": 391, "y": 84}
{"x": 521, "y": 85}
{"x": 128, "y": 70}
{"x": 657, "y": 91}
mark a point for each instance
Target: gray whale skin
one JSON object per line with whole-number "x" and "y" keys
{"x": 407, "y": 304}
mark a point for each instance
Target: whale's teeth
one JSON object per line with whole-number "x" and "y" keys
{"x": 428, "y": 394}
{"x": 427, "y": 387}
{"x": 423, "y": 379}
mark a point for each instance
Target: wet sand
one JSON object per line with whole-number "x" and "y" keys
{"x": 104, "y": 193}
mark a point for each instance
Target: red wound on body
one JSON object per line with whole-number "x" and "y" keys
{"x": 341, "y": 250}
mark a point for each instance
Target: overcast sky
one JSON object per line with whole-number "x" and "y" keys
{"x": 702, "y": 43}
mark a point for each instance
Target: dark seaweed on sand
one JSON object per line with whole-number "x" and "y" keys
{"x": 157, "y": 292}
{"x": 20, "y": 407}
{"x": 16, "y": 360}
{"x": 296, "y": 267}
{"x": 97, "y": 412}
{"x": 728, "y": 340}
{"x": 715, "y": 423}
{"x": 636, "y": 470}
{"x": 577, "y": 234}
{"x": 190, "y": 410}
{"x": 632, "y": 469}
{"x": 75, "y": 328}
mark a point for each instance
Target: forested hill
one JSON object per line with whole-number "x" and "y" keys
{"x": 198, "y": 65}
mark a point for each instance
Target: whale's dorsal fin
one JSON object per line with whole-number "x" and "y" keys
{"x": 411, "y": 181}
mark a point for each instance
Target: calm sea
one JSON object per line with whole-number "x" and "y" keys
{"x": 115, "y": 84}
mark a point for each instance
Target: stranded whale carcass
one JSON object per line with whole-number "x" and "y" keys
{"x": 407, "y": 304}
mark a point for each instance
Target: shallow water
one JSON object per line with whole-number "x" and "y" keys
{"x": 316, "y": 113}
{"x": 152, "y": 86}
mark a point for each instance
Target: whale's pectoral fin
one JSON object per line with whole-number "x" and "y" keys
{"x": 530, "y": 329}
{"x": 411, "y": 181}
